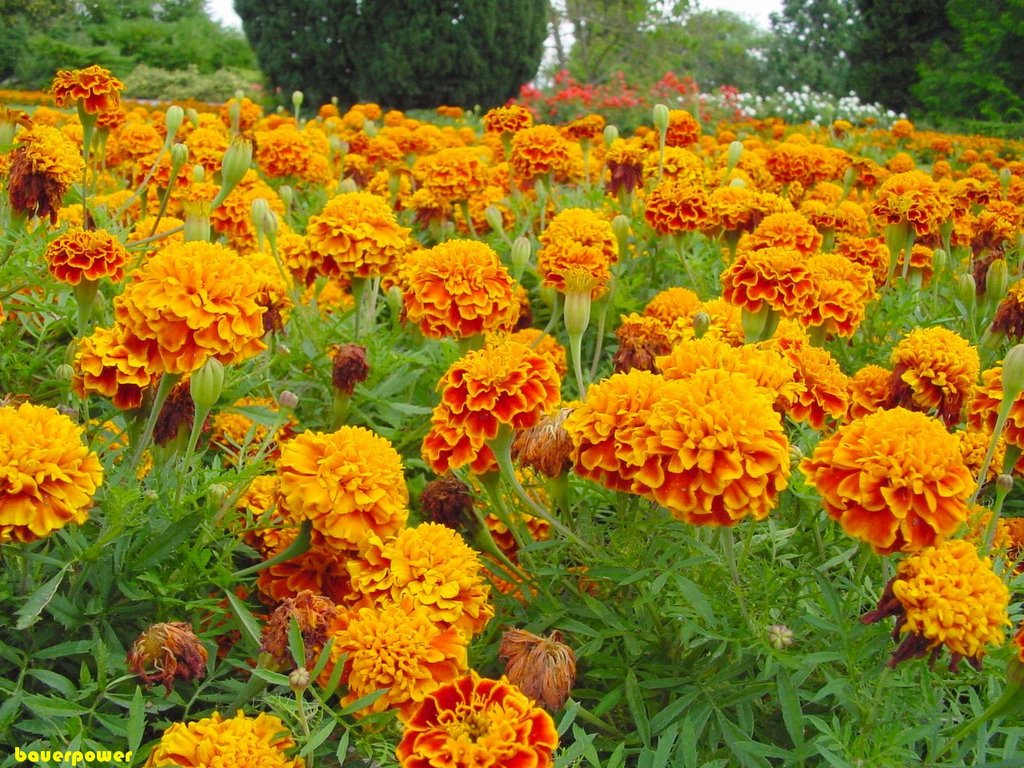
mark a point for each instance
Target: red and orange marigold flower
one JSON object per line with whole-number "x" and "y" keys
{"x": 776, "y": 276}
{"x": 678, "y": 205}
{"x": 94, "y": 88}
{"x": 356, "y": 235}
{"x": 577, "y": 240}
{"x": 911, "y": 197}
{"x": 934, "y": 369}
{"x": 89, "y": 255}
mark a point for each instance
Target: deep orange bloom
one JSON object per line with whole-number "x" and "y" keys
{"x": 453, "y": 174}
{"x": 683, "y": 129}
{"x": 933, "y": 369}
{"x": 94, "y": 88}
{"x": 213, "y": 741}
{"x": 538, "y": 151}
{"x": 508, "y": 119}
{"x": 356, "y": 235}
{"x": 577, "y": 240}
{"x": 678, "y": 205}
{"x": 869, "y": 389}
{"x": 449, "y": 446}
{"x": 895, "y": 479}
{"x": 911, "y": 197}
{"x": 871, "y": 252}
{"x": 788, "y": 229}
{"x": 984, "y": 407}
{"x": 106, "y": 365}
{"x": 826, "y": 387}
{"x": 80, "y": 254}
{"x": 475, "y": 722}
{"x": 777, "y": 276}
{"x": 844, "y": 289}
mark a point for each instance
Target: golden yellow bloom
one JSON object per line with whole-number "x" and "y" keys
{"x": 244, "y": 425}
{"x": 741, "y": 209}
{"x": 508, "y": 119}
{"x": 791, "y": 162}
{"x": 453, "y": 174}
{"x": 356, "y": 235}
{"x": 104, "y": 364}
{"x": 206, "y": 147}
{"x": 168, "y": 651}
{"x": 475, "y": 721}
{"x": 347, "y": 483}
{"x": 80, "y": 254}
{"x": 673, "y": 304}
{"x": 190, "y": 302}
{"x": 94, "y": 88}
{"x": 396, "y": 646}
{"x": 459, "y": 289}
{"x": 934, "y": 369}
{"x": 946, "y": 596}
{"x": 974, "y": 445}
{"x": 869, "y": 390}
{"x": 577, "y": 239}
{"x": 678, "y": 205}
{"x": 47, "y": 475}
{"x": 895, "y": 479}
{"x": 784, "y": 230}
{"x": 433, "y": 566}
{"x": 44, "y": 165}
{"x": 214, "y": 742}
{"x": 911, "y": 197}
{"x": 844, "y": 290}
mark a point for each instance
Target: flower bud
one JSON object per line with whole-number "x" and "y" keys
{"x": 198, "y": 173}
{"x": 217, "y": 494}
{"x": 660, "y": 116}
{"x": 576, "y": 313}
{"x": 235, "y": 112}
{"x": 193, "y": 117}
{"x": 701, "y": 323}
{"x": 967, "y": 291}
{"x": 611, "y": 133}
{"x": 64, "y": 372}
{"x": 395, "y": 301}
{"x": 172, "y": 120}
{"x": 780, "y": 636}
{"x": 237, "y": 161}
{"x": 1005, "y": 175}
{"x": 288, "y": 399}
{"x": 259, "y": 212}
{"x": 1004, "y": 482}
{"x": 287, "y": 195}
{"x": 737, "y": 183}
{"x": 297, "y": 98}
{"x": 299, "y": 679}
{"x": 997, "y": 280}
{"x": 179, "y": 156}
{"x": 494, "y": 218}
{"x": 621, "y": 228}
{"x": 207, "y": 383}
{"x": 520, "y": 257}
{"x": 370, "y": 128}
{"x": 348, "y": 185}
{"x": 1013, "y": 373}
{"x": 734, "y": 154}
{"x": 940, "y": 259}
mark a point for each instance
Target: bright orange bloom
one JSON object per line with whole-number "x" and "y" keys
{"x": 453, "y": 174}
{"x": 871, "y": 252}
{"x": 474, "y": 722}
{"x": 934, "y": 369}
{"x": 869, "y": 389}
{"x": 844, "y": 290}
{"x": 106, "y": 365}
{"x": 94, "y": 88}
{"x": 683, "y": 129}
{"x": 190, "y": 302}
{"x": 80, "y": 254}
{"x": 538, "y": 151}
{"x": 213, "y": 741}
{"x": 459, "y": 289}
{"x": 678, "y": 205}
{"x": 508, "y": 119}
{"x": 47, "y": 475}
{"x": 577, "y": 240}
{"x": 356, "y": 235}
{"x": 786, "y": 230}
{"x": 826, "y": 387}
{"x": 911, "y": 197}
{"x": 984, "y": 407}
{"x": 449, "y": 446}
{"x": 895, "y": 479}
{"x": 777, "y": 276}
{"x": 347, "y": 483}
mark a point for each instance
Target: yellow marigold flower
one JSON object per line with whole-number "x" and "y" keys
{"x": 356, "y": 235}
{"x": 724, "y": 321}
{"x": 94, "y": 88}
{"x": 844, "y": 289}
{"x": 90, "y": 255}
{"x": 921, "y": 262}
{"x": 206, "y": 147}
{"x": 934, "y": 369}
{"x": 678, "y": 205}
{"x": 537, "y": 151}
{"x": 508, "y": 119}
{"x": 974, "y": 443}
{"x": 213, "y": 741}
{"x": 911, "y": 197}
{"x": 44, "y": 165}
{"x": 681, "y": 165}
{"x": 143, "y": 228}
{"x": 901, "y": 162}
{"x": 895, "y": 479}
{"x": 244, "y": 424}
{"x": 266, "y": 533}
{"x": 453, "y": 174}
{"x": 347, "y": 483}
{"x": 777, "y": 276}
{"x": 475, "y": 721}
{"x": 106, "y": 364}
{"x": 869, "y": 389}
{"x": 826, "y": 387}
{"x": 871, "y": 252}
{"x": 459, "y": 289}
{"x": 945, "y": 596}
{"x": 190, "y": 302}
{"x": 786, "y": 230}
{"x": 47, "y": 475}
{"x": 672, "y": 304}
{"x": 984, "y": 407}
{"x": 431, "y": 565}
{"x": 396, "y": 646}
{"x": 577, "y": 239}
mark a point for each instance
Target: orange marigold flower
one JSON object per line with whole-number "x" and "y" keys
{"x": 356, "y": 235}
{"x": 826, "y": 387}
{"x": 453, "y": 174}
{"x": 89, "y": 255}
{"x": 398, "y": 647}
{"x": 94, "y": 88}
{"x": 47, "y": 475}
{"x": 871, "y": 252}
{"x": 475, "y": 721}
{"x": 790, "y": 162}
{"x": 974, "y": 443}
{"x": 787, "y": 230}
{"x": 844, "y": 289}
{"x": 544, "y": 668}
{"x": 347, "y": 483}
{"x": 508, "y": 119}
{"x": 213, "y": 741}
{"x": 678, "y": 205}
{"x": 933, "y": 369}
{"x": 586, "y": 128}
{"x": 433, "y": 566}
{"x": 921, "y": 262}
{"x": 284, "y": 152}
{"x": 741, "y": 209}
{"x": 945, "y": 596}
{"x": 168, "y": 651}
{"x": 459, "y": 289}
{"x": 320, "y": 569}
{"x": 538, "y": 151}
{"x": 869, "y": 389}
{"x": 911, "y": 197}
{"x": 449, "y": 446}
{"x": 265, "y": 528}
{"x": 44, "y": 165}
{"x": 243, "y": 426}
{"x": 625, "y": 162}
{"x": 984, "y": 407}
{"x": 190, "y": 302}
{"x": 577, "y": 239}
{"x": 543, "y": 344}
{"x": 233, "y": 218}
{"x": 777, "y": 276}
{"x": 673, "y": 304}
{"x": 249, "y": 113}
{"x": 895, "y": 479}
{"x": 106, "y": 365}
{"x": 683, "y": 129}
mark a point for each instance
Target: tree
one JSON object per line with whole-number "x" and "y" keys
{"x": 406, "y": 53}
{"x": 811, "y": 40}
{"x": 893, "y": 38}
{"x": 980, "y": 74}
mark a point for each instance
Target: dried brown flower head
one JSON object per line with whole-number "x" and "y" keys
{"x": 168, "y": 651}
{"x": 544, "y": 668}
{"x": 314, "y": 614}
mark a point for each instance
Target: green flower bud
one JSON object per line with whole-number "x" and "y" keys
{"x": 780, "y": 636}
{"x": 1013, "y": 373}
{"x": 179, "y": 156}
{"x": 348, "y": 185}
{"x": 997, "y": 280}
{"x": 967, "y": 291}
{"x": 297, "y": 97}
{"x": 237, "y": 161}
{"x": 734, "y": 154}
{"x": 939, "y": 260}
{"x": 576, "y": 313}
{"x": 64, "y": 372}
{"x": 288, "y": 399}
{"x": 660, "y": 116}
{"x": 172, "y": 120}
{"x": 520, "y": 257}
{"x": 193, "y": 117}
{"x": 701, "y": 323}
{"x": 287, "y": 195}
{"x": 235, "y": 113}
{"x": 207, "y": 383}
{"x": 494, "y": 218}
{"x": 260, "y": 210}
{"x": 1004, "y": 482}
{"x": 217, "y": 494}
{"x": 394, "y": 299}
{"x": 198, "y": 173}
{"x": 611, "y": 133}
{"x": 370, "y": 128}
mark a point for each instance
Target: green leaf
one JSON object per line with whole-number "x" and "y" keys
{"x": 318, "y": 738}
{"x": 136, "y": 719}
{"x": 45, "y": 706}
{"x": 51, "y": 679}
{"x": 792, "y": 714}
{"x": 571, "y": 710}
{"x": 28, "y": 614}
{"x": 296, "y": 644}
{"x": 362, "y": 702}
{"x": 166, "y": 541}
{"x": 637, "y": 708}
{"x": 342, "y": 751}
{"x": 665, "y": 743}
{"x": 249, "y": 624}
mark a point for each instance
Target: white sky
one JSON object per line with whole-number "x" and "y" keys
{"x": 753, "y": 10}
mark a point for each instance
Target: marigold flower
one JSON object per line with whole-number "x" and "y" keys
{"x": 313, "y": 613}
{"x": 459, "y": 289}
{"x": 776, "y": 276}
{"x": 47, "y": 475}
{"x": 475, "y": 721}
{"x": 453, "y": 174}
{"x": 895, "y": 479}
{"x": 683, "y": 129}
{"x": 945, "y": 596}
{"x": 844, "y": 289}
{"x": 321, "y": 570}
{"x": 190, "y": 302}
{"x": 869, "y": 389}
{"x": 511, "y": 118}
{"x": 544, "y": 668}
{"x": 678, "y": 205}
{"x": 791, "y": 162}
{"x": 974, "y": 443}
{"x": 448, "y": 501}
{"x": 911, "y": 197}
{"x": 44, "y": 165}
{"x": 537, "y": 151}
{"x": 741, "y": 209}
{"x": 641, "y": 340}
{"x": 105, "y": 365}
{"x": 213, "y": 741}
{"x": 349, "y": 367}
{"x": 90, "y": 255}
{"x": 673, "y": 304}
{"x": 541, "y": 343}
{"x": 94, "y": 88}
{"x": 166, "y": 652}
{"x": 788, "y": 229}
{"x": 396, "y": 646}
{"x": 356, "y": 235}
{"x": 448, "y": 446}
{"x": 985, "y": 403}
{"x": 680, "y": 165}
{"x": 933, "y": 369}
{"x": 249, "y": 113}
{"x": 625, "y": 162}
{"x": 1009, "y": 318}
{"x": 433, "y": 566}
{"x": 244, "y": 425}
{"x": 577, "y": 239}
{"x": 347, "y": 483}
{"x": 826, "y": 388}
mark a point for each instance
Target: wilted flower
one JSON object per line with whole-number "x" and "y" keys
{"x": 349, "y": 367}
{"x": 312, "y": 613}
{"x": 167, "y": 652}
{"x": 44, "y": 165}
{"x": 544, "y": 668}
{"x": 213, "y": 741}
{"x": 545, "y": 446}
{"x": 448, "y": 501}
{"x": 642, "y": 339}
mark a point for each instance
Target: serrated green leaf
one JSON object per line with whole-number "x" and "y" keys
{"x": 636, "y": 708}
{"x": 318, "y": 738}
{"x": 296, "y": 644}
{"x": 28, "y": 614}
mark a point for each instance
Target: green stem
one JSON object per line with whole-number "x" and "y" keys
{"x": 202, "y": 411}
{"x": 997, "y": 431}
{"x": 298, "y": 547}
{"x": 729, "y": 548}
{"x": 576, "y": 352}
{"x": 167, "y": 382}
